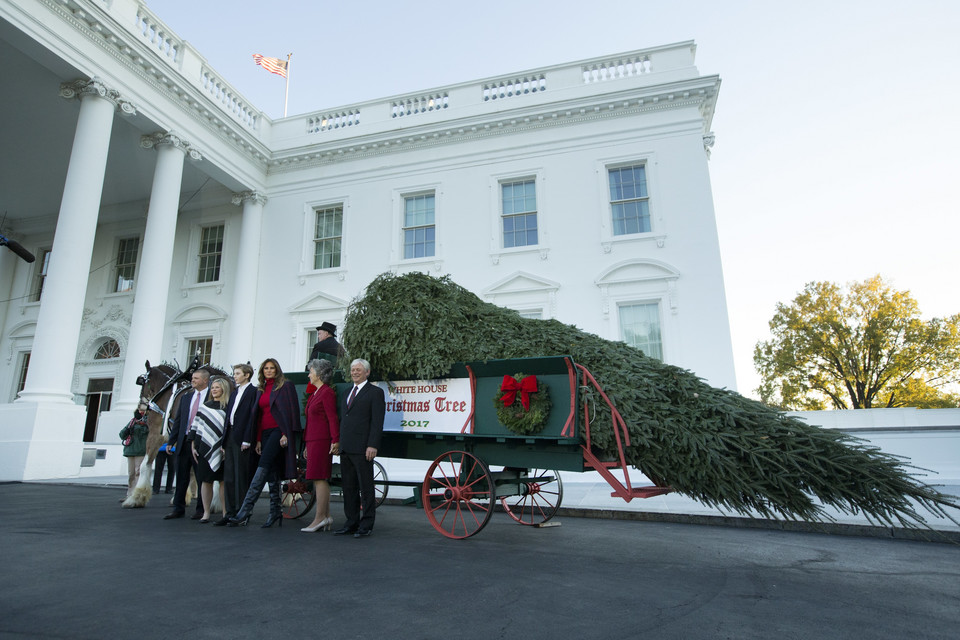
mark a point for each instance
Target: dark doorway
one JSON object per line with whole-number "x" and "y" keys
{"x": 99, "y": 391}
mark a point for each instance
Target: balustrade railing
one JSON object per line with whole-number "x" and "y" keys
{"x": 511, "y": 87}
{"x": 228, "y": 99}
{"x": 616, "y": 68}
{"x": 157, "y": 34}
{"x": 419, "y": 104}
{"x": 334, "y": 120}
{"x": 184, "y": 59}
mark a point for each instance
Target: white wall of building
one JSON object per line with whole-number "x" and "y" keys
{"x": 457, "y": 142}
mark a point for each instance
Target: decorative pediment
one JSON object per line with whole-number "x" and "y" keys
{"x": 200, "y": 313}
{"x": 637, "y": 271}
{"x": 23, "y": 330}
{"x": 521, "y": 282}
{"x": 317, "y": 301}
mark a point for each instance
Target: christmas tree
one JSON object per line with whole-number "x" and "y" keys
{"x": 711, "y": 444}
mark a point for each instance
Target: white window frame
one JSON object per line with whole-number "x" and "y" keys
{"x": 190, "y": 352}
{"x": 660, "y": 320}
{"x": 655, "y": 200}
{"x": 41, "y": 266}
{"x": 200, "y": 231}
{"x": 116, "y": 266}
{"x": 309, "y": 226}
{"x": 497, "y": 250}
{"x": 534, "y": 313}
{"x": 406, "y": 197}
{"x": 397, "y": 261}
{"x": 192, "y": 258}
{"x": 503, "y": 216}
{"x": 20, "y": 373}
{"x": 317, "y": 240}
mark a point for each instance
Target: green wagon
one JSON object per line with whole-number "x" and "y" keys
{"x": 477, "y": 460}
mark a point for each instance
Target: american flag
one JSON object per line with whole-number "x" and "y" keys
{"x": 273, "y": 65}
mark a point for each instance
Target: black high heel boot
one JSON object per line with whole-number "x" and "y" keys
{"x": 256, "y": 487}
{"x": 276, "y": 513}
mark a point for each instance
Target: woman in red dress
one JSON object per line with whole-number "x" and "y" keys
{"x": 321, "y": 435}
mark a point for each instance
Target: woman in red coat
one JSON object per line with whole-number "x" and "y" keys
{"x": 277, "y": 418}
{"x": 321, "y": 435}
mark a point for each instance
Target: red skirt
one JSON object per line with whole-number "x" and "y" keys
{"x": 319, "y": 460}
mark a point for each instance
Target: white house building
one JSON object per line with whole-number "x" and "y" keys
{"x": 167, "y": 213}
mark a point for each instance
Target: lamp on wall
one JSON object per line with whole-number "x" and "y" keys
{"x": 17, "y": 248}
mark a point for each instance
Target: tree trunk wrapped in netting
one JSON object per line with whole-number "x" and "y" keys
{"x": 711, "y": 444}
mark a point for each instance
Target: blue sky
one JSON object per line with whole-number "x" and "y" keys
{"x": 836, "y": 128}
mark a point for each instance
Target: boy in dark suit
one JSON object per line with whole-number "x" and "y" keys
{"x": 238, "y": 434}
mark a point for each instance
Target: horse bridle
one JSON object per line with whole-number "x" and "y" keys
{"x": 171, "y": 381}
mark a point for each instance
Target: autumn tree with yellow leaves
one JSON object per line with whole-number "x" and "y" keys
{"x": 860, "y": 348}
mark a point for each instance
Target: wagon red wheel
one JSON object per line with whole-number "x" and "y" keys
{"x": 539, "y": 496}
{"x": 297, "y": 497}
{"x": 458, "y": 494}
{"x": 380, "y": 485}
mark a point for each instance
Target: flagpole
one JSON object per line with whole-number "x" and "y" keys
{"x": 286, "y": 91}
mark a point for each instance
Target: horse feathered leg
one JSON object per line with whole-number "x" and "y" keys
{"x": 144, "y": 489}
{"x": 192, "y": 490}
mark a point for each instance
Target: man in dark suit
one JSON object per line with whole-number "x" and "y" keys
{"x": 362, "y": 409}
{"x": 237, "y": 437}
{"x": 179, "y": 437}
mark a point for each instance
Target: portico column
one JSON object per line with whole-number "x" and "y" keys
{"x": 156, "y": 261}
{"x": 61, "y": 307}
{"x": 245, "y": 285}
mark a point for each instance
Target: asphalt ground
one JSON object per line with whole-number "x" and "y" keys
{"x": 76, "y": 565}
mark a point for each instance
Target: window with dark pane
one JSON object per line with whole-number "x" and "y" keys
{"x": 108, "y": 349}
{"x": 419, "y": 230}
{"x": 211, "y": 251}
{"x": 126, "y": 266}
{"x": 328, "y": 231}
{"x": 629, "y": 201}
{"x": 519, "y": 206}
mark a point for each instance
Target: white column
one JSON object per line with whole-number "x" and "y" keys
{"x": 240, "y": 342}
{"x": 156, "y": 261}
{"x": 61, "y": 307}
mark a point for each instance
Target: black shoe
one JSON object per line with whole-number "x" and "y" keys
{"x": 362, "y": 533}
{"x": 221, "y": 522}
{"x": 238, "y": 522}
{"x": 168, "y": 491}
{"x": 196, "y": 516}
{"x": 344, "y": 531}
{"x": 173, "y": 514}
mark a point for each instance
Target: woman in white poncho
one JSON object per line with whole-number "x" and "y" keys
{"x": 207, "y": 445}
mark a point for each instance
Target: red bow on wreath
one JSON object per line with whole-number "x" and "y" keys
{"x": 510, "y": 387}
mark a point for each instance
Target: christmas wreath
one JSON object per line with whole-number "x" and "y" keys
{"x": 523, "y": 404}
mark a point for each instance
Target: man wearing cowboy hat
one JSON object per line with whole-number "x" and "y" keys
{"x": 327, "y": 347}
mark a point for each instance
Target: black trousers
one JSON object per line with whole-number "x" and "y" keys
{"x": 185, "y": 464}
{"x": 359, "y": 493}
{"x": 163, "y": 460}
{"x": 236, "y": 475}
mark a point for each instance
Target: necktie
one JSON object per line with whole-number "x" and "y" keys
{"x": 353, "y": 394}
{"x": 194, "y": 406}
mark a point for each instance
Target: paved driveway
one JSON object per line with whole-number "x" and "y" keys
{"x": 76, "y": 565}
